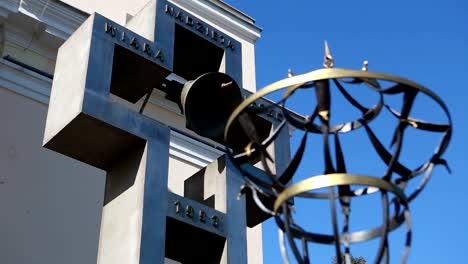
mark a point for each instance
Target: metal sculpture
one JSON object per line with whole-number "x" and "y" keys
{"x": 392, "y": 183}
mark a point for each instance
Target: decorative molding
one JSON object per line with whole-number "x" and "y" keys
{"x": 8, "y": 6}
{"x": 24, "y": 82}
{"x": 192, "y": 151}
{"x": 232, "y": 10}
{"x": 61, "y": 19}
{"x": 20, "y": 37}
{"x": 37, "y": 87}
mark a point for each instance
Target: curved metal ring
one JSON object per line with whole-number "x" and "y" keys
{"x": 337, "y": 179}
{"x": 307, "y": 124}
{"x": 293, "y": 83}
{"x": 307, "y": 188}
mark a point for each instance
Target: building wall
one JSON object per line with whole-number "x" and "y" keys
{"x": 119, "y": 11}
{"x": 50, "y": 204}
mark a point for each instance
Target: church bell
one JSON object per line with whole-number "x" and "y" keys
{"x": 208, "y": 101}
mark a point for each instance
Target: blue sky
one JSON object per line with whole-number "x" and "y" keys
{"x": 425, "y": 41}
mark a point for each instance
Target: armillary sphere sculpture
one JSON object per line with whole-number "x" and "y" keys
{"x": 342, "y": 186}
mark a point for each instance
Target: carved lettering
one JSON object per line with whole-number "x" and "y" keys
{"x": 214, "y": 35}
{"x": 107, "y": 27}
{"x": 230, "y": 45}
{"x": 128, "y": 39}
{"x": 169, "y": 10}
{"x": 159, "y": 56}
{"x": 179, "y": 16}
{"x": 214, "y": 221}
{"x": 200, "y": 27}
{"x": 189, "y": 211}
{"x": 189, "y": 21}
{"x": 147, "y": 49}
{"x": 202, "y": 216}
{"x": 134, "y": 43}
{"x": 110, "y": 29}
{"x": 279, "y": 116}
{"x": 270, "y": 113}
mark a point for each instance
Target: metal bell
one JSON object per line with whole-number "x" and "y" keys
{"x": 208, "y": 101}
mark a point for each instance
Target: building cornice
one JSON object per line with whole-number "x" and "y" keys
{"x": 61, "y": 20}
{"x": 25, "y": 82}
{"x": 8, "y": 6}
{"x": 234, "y": 11}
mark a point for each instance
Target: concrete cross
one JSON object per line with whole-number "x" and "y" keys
{"x": 143, "y": 222}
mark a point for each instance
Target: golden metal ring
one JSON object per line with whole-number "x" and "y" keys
{"x": 336, "y": 179}
{"x": 294, "y": 82}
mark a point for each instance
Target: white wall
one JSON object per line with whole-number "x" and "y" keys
{"x": 116, "y": 10}
{"x": 50, "y": 204}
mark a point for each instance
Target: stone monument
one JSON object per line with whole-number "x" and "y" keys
{"x": 102, "y": 69}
